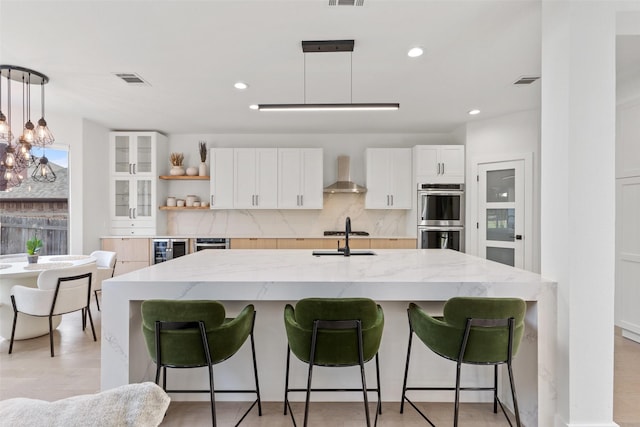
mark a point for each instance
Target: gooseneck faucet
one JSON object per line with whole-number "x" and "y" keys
{"x": 347, "y": 230}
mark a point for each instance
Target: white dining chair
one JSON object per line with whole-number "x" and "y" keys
{"x": 59, "y": 291}
{"x": 106, "y": 262}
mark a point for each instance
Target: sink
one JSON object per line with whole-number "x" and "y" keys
{"x": 340, "y": 253}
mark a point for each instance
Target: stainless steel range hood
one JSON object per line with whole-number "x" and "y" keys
{"x": 344, "y": 183}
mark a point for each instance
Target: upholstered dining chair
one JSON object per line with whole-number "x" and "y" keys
{"x": 196, "y": 333}
{"x": 59, "y": 291}
{"x": 334, "y": 332}
{"x": 474, "y": 330}
{"x": 106, "y": 262}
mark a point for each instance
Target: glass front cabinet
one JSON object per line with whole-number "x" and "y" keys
{"x": 135, "y": 158}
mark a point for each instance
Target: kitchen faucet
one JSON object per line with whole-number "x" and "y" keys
{"x": 347, "y": 230}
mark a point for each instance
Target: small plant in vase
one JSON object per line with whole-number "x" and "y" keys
{"x": 202, "y": 148}
{"x": 176, "y": 164}
{"x": 33, "y": 247}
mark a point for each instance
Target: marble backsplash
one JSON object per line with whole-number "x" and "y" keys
{"x": 293, "y": 223}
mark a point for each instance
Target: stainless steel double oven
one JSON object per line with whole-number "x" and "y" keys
{"x": 441, "y": 216}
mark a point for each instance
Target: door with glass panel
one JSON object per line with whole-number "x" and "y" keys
{"x": 501, "y": 216}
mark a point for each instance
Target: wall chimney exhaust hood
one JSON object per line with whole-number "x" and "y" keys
{"x": 344, "y": 183}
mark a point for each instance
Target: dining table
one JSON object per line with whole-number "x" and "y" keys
{"x": 15, "y": 270}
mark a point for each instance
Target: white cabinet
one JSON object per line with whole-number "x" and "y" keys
{"x": 221, "y": 184}
{"x": 389, "y": 178}
{"x": 133, "y": 165}
{"x": 255, "y": 178}
{"x": 300, "y": 178}
{"x": 439, "y": 164}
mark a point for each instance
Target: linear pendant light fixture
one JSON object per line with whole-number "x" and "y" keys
{"x": 330, "y": 46}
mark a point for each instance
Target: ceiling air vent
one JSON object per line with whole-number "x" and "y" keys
{"x": 346, "y": 2}
{"x": 132, "y": 79}
{"x": 525, "y": 80}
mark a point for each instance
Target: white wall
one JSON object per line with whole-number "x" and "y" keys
{"x": 496, "y": 139}
{"x": 95, "y": 179}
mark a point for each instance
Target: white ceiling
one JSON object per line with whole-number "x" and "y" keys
{"x": 191, "y": 53}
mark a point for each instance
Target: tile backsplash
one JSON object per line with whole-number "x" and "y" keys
{"x": 292, "y": 223}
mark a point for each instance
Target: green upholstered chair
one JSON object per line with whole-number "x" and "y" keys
{"x": 482, "y": 331}
{"x": 190, "y": 334}
{"x": 333, "y": 332}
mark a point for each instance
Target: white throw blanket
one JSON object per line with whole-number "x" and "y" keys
{"x": 138, "y": 405}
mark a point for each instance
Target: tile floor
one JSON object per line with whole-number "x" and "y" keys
{"x": 30, "y": 372}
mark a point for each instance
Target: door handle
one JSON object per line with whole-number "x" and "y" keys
{"x": 134, "y": 213}
{"x": 392, "y": 200}
{"x": 439, "y": 168}
{"x": 442, "y": 168}
{"x": 257, "y": 199}
{"x": 297, "y": 200}
{"x": 387, "y": 200}
{"x": 212, "y": 200}
{"x": 302, "y": 200}
{"x": 134, "y": 169}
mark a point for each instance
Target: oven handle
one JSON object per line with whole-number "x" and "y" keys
{"x": 437, "y": 228}
{"x": 441, "y": 192}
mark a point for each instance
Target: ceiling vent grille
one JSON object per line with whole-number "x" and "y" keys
{"x": 132, "y": 79}
{"x": 346, "y": 2}
{"x": 525, "y": 80}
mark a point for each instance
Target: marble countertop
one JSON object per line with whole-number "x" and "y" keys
{"x": 269, "y": 274}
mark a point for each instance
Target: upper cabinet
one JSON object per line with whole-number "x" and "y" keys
{"x": 389, "y": 178}
{"x": 221, "y": 164}
{"x": 300, "y": 178}
{"x": 133, "y": 164}
{"x": 255, "y": 178}
{"x": 133, "y": 153}
{"x": 439, "y": 164}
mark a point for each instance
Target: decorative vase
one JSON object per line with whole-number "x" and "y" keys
{"x": 32, "y": 259}
{"x": 192, "y": 171}
{"x": 176, "y": 170}
{"x": 203, "y": 169}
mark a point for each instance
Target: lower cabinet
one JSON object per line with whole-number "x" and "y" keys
{"x": 253, "y": 243}
{"x": 393, "y": 243}
{"x": 131, "y": 253}
{"x": 294, "y": 243}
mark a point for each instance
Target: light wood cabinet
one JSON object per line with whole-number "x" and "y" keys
{"x": 389, "y": 178}
{"x": 131, "y": 254}
{"x": 300, "y": 178}
{"x": 295, "y": 243}
{"x": 253, "y": 243}
{"x": 255, "y": 178}
{"x": 358, "y": 243}
{"x": 439, "y": 164}
{"x": 393, "y": 243}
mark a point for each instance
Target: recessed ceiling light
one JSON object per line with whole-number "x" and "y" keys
{"x": 241, "y": 85}
{"x": 415, "y": 52}
{"x": 474, "y": 112}
{"x": 254, "y": 106}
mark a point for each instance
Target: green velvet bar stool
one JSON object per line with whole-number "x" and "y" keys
{"x": 190, "y": 334}
{"x": 474, "y": 330}
{"x": 335, "y": 332}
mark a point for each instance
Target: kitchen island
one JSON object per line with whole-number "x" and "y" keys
{"x": 269, "y": 279}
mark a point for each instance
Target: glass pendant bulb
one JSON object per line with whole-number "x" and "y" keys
{"x": 43, "y": 171}
{"x": 43, "y": 134}
{"x": 29, "y": 132}
{"x": 23, "y": 155}
{"x": 9, "y": 157}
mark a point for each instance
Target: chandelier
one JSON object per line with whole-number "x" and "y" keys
{"x": 15, "y": 152}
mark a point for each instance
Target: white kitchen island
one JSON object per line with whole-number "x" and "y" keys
{"x": 271, "y": 278}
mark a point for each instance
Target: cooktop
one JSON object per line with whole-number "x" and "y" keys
{"x": 341, "y": 233}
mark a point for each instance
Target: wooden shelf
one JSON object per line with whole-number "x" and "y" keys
{"x": 185, "y": 177}
{"x": 182, "y": 208}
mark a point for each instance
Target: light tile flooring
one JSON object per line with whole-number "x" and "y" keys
{"x": 30, "y": 372}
